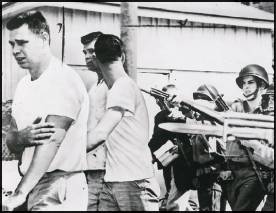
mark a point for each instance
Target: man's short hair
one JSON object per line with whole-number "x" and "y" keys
{"x": 108, "y": 48}
{"x": 169, "y": 86}
{"x": 86, "y": 39}
{"x": 34, "y": 19}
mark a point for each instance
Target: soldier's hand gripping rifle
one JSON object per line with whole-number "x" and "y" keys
{"x": 160, "y": 98}
{"x": 184, "y": 105}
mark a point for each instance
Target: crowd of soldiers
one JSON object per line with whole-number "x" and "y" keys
{"x": 219, "y": 171}
{"x": 90, "y": 151}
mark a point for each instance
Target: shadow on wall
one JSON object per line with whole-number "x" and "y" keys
{"x": 6, "y": 119}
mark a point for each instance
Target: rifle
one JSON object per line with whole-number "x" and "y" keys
{"x": 186, "y": 105}
{"x": 219, "y": 101}
{"x": 160, "y": 98}
{"x": 219, "y": 131}
{"x": 208, "y": 113}
{"x": 231, "y": 118}
{"x": 220, "y": 118}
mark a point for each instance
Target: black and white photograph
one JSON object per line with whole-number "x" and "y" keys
{"x": 138, "y": 106}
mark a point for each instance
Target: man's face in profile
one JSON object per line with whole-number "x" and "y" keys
{"x": 89, "y": 51}
{"x": 26, "y": 47}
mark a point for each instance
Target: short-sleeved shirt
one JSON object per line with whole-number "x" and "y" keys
{"x": 96, "y": 159}
{"x": 58, "y": 91}
{"x": 128, "y": 154}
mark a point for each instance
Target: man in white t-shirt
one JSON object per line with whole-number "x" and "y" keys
{"x": 129, "y": 184}
{"x": 96, "y": 159}
{"x": 53, "y": 177}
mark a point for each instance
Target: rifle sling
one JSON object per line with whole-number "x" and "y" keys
{"x": 256, "y": 169}
{"x": 247, "y": 110}
{"x": 182, "y": 151}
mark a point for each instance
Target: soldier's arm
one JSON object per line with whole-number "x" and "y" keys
{"x": 159, "y": 136}
{"x": 262, "y": 154}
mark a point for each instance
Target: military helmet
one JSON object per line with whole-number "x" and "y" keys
{"x": 253, "y": 70}
{"x": 205, "y": 90}
{"x": 270, "y": 90}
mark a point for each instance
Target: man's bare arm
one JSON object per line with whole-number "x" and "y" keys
{"x": 11, "y": 138}
{"x": 44, "y": 155}
{"x": 32, "y": 135}
{"x": 108, "y": 122}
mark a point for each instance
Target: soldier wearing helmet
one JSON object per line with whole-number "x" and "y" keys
{"x": 244, "y": 192}
{"x": 208, "y": 154}
{"x": 253, "y": 80}
{"x": 264, "y": 152}
{"x": 203, "y": 92}
{"x": 207, "y": 92}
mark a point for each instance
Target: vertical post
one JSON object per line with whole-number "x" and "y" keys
{"x": 129, "y": 37}
{"x": 63, "y": 35}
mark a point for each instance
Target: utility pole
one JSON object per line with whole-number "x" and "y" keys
{"x": 63, "y": 35}
{"x": 129, "y": 37}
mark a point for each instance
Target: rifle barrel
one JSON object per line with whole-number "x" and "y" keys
{"x": 144, "y": 90}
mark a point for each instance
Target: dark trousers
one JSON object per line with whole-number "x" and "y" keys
{"x": 95, "y": 181}
{"x": 137, "y": 195}
{"x": 244, "y": 192}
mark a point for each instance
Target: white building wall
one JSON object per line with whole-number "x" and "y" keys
{"x": 200, "y": 55}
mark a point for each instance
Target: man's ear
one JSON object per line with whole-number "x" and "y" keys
{"x": 263, "y": 84}
{"x": 45, "y": 37}
{"x": 123, "y": 58}
{"x": 96, "y": 61}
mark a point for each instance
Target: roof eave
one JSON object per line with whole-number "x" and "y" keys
{"x": 14, "y": 8}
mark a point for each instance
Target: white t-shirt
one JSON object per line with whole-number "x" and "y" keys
{"x": 58, "y": 91}
{"x": 96, "y": 159}
{"x": 128, "y": 154}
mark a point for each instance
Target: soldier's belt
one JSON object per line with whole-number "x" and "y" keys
{"x": 205, "y": 171}
{"x": 235, "y": 166}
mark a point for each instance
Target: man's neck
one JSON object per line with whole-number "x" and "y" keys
{"x": 37, "y": 70}
{"x": 253, "y": 104}
{"x": 99, "y": 74}
{"x": 112, "y": 72}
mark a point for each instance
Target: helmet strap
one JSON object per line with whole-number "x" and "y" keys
{"x": 252, "y": 96}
